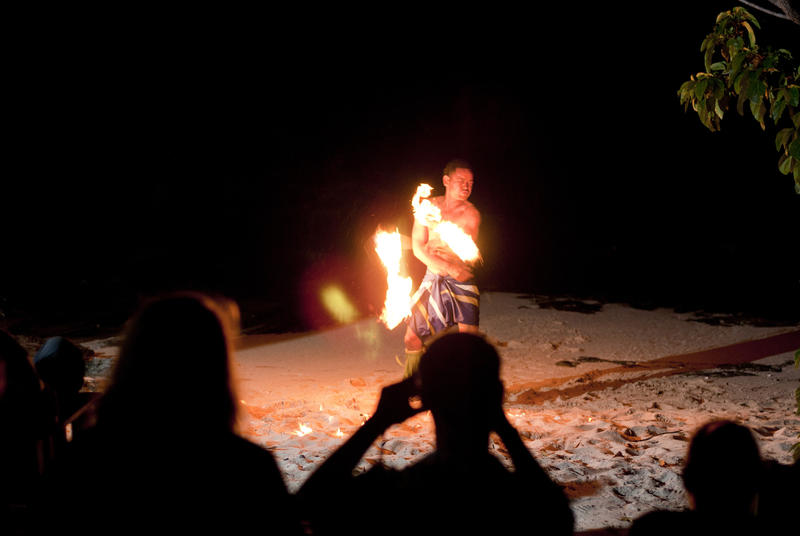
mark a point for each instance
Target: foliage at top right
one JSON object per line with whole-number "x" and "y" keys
{"x": 739, "y": 72}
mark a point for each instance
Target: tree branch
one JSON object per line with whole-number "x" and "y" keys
{"x": 787, "y": 11}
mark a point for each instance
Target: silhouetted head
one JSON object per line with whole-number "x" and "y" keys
{"x": 723, "y": 468}
{"x": 20, "y": 387}
{"x": 460, "y": 382}
{"x": 17, "y": 375}
{"x": 174, "y": 367}
{"x": 60, "y": 365}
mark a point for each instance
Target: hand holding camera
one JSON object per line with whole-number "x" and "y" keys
{"x": 398, "y": 402}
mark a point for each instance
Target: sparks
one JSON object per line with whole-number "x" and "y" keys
{"x": 302, "y": 430}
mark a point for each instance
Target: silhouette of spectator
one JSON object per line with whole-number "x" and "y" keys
{"x": 164, "y": 455}
{"x": 777, "y": 497}
{"x": 25, "y": 421}
{"x": 722, "y": 475}
{"x": 59, "y": 364}
{"x": 459, "y": 489}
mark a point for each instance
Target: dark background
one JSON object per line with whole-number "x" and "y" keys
{"x": 256, "y": 156}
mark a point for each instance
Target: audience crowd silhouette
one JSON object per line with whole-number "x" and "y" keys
{"x": 159, "y": 452}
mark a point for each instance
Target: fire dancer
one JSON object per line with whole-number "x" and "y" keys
{"x": 449, "y": 296}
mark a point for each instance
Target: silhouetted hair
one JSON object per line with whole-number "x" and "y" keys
{"x": 460, "y": 373}
{"x": 723, "y": 467}
{"x": 60, "y": 365}
{"x": 18, "y": 379}
{"x": 454, "y": 164}
{"x": 175, "y": 358}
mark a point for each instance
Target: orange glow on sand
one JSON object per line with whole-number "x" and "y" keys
{"x": 302, "y": 430}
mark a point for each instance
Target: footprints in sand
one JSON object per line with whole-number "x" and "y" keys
{"x": 617, "y": 453}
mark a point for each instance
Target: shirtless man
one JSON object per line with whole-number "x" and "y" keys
{"x": 450, "y": 297}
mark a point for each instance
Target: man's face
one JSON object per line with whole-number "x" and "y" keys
{"x": 458, "y": 184}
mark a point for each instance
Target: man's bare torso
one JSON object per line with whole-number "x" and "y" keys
{"x": 465, "y": 215}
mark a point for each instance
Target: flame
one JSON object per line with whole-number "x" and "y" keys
{"x": 429, "y": 215}
{"x": 339, "y": 432}
{"x": 425, "y": 212}
{"x": 302, "y": 429}
{"x": 397, "y": 306}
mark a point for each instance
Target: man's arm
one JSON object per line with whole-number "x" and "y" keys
{"x": 336, "y": 471}
{"x": 560, "y": 518}
{"x": 444, "y": 265}
{"x": 419, "y": 245}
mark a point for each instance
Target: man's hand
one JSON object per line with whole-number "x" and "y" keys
{"x": 394, "y": 406}
{"x": 460, "y": 272}
{"x": 500, "y": 425}
{"x": 337, "y": 470}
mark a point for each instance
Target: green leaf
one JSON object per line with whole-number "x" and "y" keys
{"x": 700, "y": 88}
{"x": 754, "y": 105}
{"x": 795, "y": 96}
{"x": 756, "y": 89}
{"x": 750, "y": 34}
{"x": 736, "y": 63}
{"x": 717, "y": 109}
{"x": 734, "y": 45}
{"x": 784, "y": 164}
{"x": 719, "y": 88}
{"x": 707, "y": 55}
{"x": 751, "y": 18}
{"x": 777, "y": 109}
{"x": 740, "y": 102}
{"x": 785, "y": 94}
{"x": 794, "y": 149}
{"x": 718, "y": 66}
{"x": 740, "y": 82}
{"x": 686, "y": 92}
{"x": 783, "y": 137}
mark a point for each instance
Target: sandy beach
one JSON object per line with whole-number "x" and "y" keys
{"x": 606, "y": 396}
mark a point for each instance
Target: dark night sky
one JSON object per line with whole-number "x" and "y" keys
{"x": 258, "y": 162}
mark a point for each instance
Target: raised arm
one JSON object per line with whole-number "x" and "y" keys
{"x": 336, "y": 471}
{"x": 560, "y": 519}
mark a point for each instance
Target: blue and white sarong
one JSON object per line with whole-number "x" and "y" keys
{"x": 443, "y": 302}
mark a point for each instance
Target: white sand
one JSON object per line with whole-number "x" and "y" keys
{"x": 618, "y": 451}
